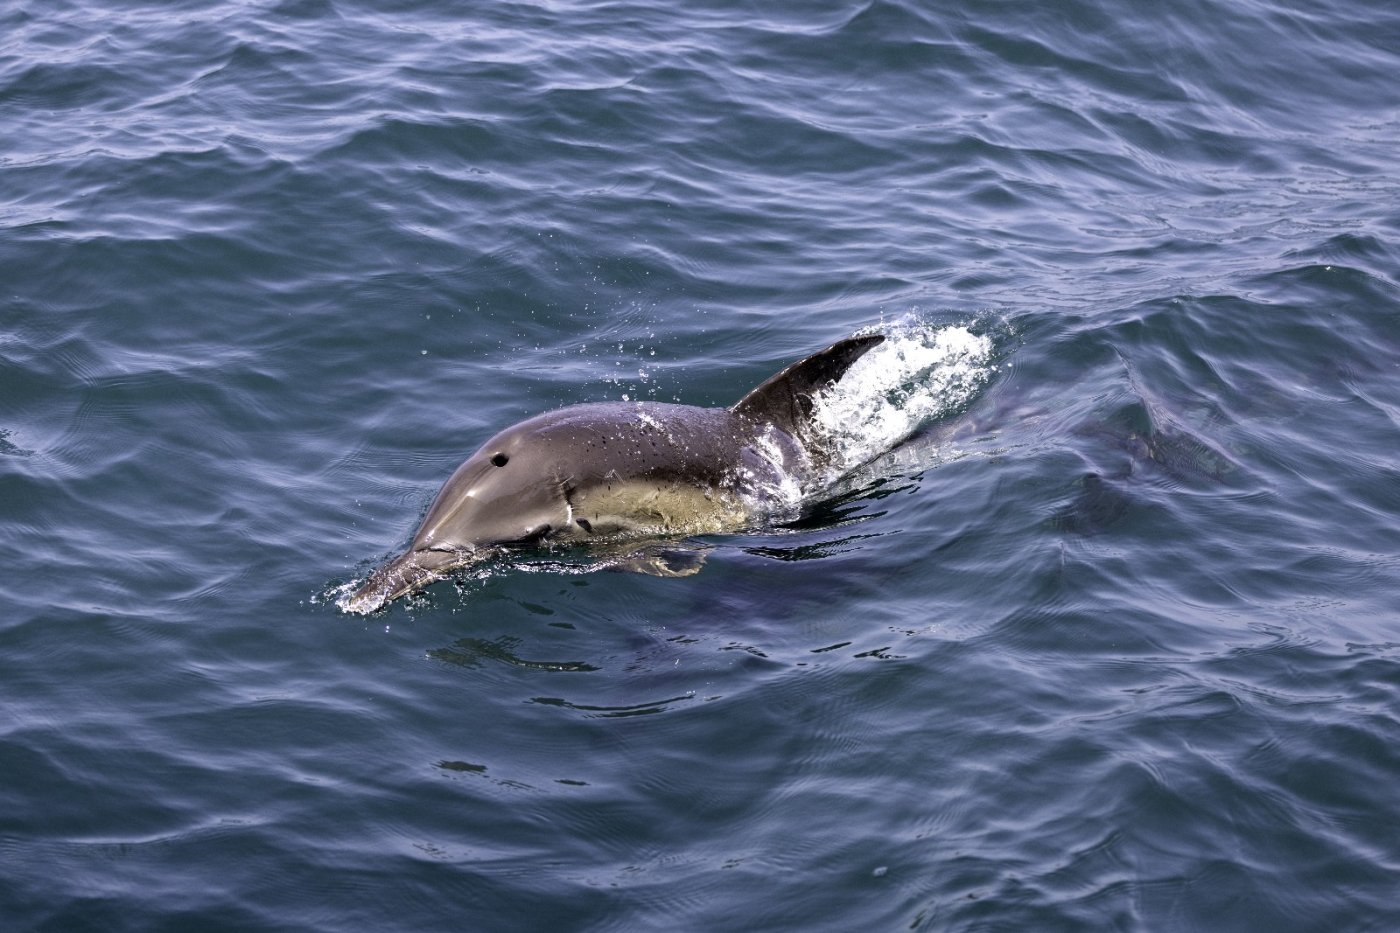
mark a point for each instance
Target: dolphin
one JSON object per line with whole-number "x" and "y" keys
{"x": 618, "y": 471}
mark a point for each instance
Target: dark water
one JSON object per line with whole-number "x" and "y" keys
{"x": 1112, "y": 645}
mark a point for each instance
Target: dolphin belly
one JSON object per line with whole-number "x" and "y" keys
{"x": 658, "y": 509}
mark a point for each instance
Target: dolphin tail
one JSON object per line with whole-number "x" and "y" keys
{"x": 785, "y": 400}
{"x": 405, "y": 574}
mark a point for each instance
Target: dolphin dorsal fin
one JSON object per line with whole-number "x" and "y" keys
{"x": 785, "y": 400}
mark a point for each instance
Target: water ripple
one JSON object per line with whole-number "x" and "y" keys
{"x": 1106, "y": 643}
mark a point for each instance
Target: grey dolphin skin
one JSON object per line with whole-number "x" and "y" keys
{"x": 620, "y": 470}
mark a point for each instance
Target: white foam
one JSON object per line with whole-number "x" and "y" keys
{"x": 779, "y": 485}
{"x": 921, "y": 372}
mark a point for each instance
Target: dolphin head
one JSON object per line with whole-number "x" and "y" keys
{"x": 510, "y": 492}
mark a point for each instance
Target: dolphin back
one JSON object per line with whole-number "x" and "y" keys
{"x": 785, "y": 400}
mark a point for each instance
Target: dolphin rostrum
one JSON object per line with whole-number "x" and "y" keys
{"x": 622, "y": 470}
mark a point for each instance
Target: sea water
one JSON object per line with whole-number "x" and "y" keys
{"x": 1098, "y": 630}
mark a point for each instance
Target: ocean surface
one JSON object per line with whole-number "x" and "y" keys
{"x": 1101, "y": 631}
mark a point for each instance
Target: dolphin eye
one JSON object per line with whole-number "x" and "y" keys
{"x": 499, "y": 460}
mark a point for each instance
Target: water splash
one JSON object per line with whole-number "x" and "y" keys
{"x": 772, "y": 475}
{"x": 921, "y": 372}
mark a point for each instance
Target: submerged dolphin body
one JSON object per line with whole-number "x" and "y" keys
{"x": 619, "y": 470}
